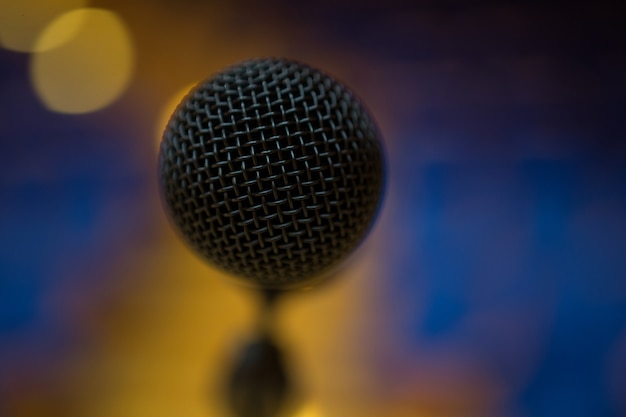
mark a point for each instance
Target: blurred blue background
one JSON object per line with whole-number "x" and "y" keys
{"x": 496, "y": 276}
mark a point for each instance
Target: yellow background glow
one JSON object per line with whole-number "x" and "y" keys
{"x": 168, "y": 110}
{"x": 88, "y": 71}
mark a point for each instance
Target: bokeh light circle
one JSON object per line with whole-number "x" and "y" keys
{"x": 21, "y": 21}
{"x": 88, "y": 71}
{"x": 309, "y": 410}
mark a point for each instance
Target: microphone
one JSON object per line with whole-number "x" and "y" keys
{"x": 272, "y": 171}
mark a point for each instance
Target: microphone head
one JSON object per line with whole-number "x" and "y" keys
{"x": 272, "y": 171}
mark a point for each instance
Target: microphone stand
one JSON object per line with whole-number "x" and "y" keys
{"x": 259, "y": 385}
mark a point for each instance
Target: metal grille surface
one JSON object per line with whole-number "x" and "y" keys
{"x": 272, "y": 171}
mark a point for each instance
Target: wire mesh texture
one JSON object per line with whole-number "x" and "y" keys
{"x": 272, "y": 171}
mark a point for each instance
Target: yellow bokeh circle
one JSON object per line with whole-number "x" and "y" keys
{"x": 21, "y": 21}
{"x": 89, "y": 67}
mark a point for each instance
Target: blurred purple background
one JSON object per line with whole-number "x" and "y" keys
{"x": 500, "y": 279}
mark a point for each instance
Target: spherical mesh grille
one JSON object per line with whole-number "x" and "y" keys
{"x": 272, "y": 171}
